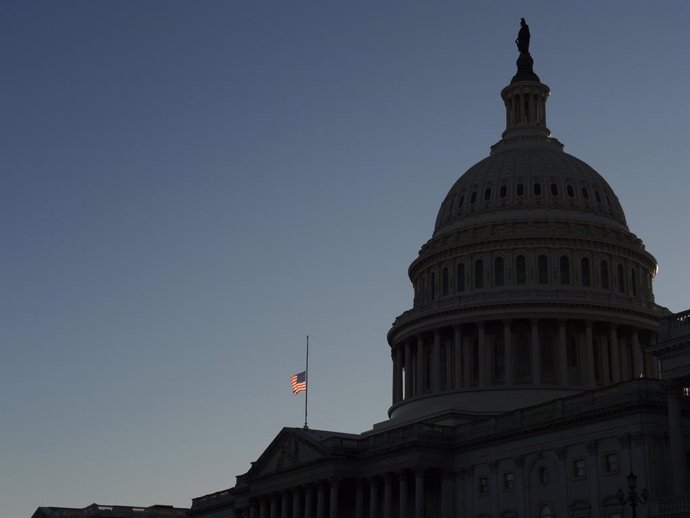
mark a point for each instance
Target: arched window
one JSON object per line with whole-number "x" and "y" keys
{"x": 473, "y": 197}
{"x": 520, "y": 270}
{"x": 585, "y": 193}
{"x": 461, "y": 201}
{"x": 633, "y": 283}
{"x": 520, "y": 189}
{"x": 604, "y": 268}
{"x": 433, "y": 286}
{"x": 498, "y": 271}
{"x": 537, "y": 189}
{"x": 584, "y": 270}
{"x": 571, "y": 191}
{"x": 460, "y": 281}
{"x": 565, "y": 269}
{"x": 499, "y": 359}
{"x": 543, "y": 269}
{"x": 487, "y": 194}
{"x": 504, "y": 191}
{"x": 478, "y": 274}
{"x": 444, "y": 281}
{"x": 522, "y": 357}
{"x": 554, "y": 189}
{"x": 621, "y": 279}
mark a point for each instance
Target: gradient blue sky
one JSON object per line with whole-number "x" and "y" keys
{"x": 189, "y": 188}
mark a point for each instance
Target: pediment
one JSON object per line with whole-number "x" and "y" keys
{"x": 288, "y": 450}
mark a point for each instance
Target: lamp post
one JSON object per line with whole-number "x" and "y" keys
{"x": 632, "y": 497}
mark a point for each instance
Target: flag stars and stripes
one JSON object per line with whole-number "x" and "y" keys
{"x": 298, "y": 382}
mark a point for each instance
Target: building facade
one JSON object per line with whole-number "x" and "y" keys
{"x": 533, "y": 373}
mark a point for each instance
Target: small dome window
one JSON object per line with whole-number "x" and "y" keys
{"x": 537, "y": 189}
{"x": 461, "y": 201}
{"x": 487, "y": 194}
{"x": 571, "y": 191}
{"x": 520, "y": 189}
{"x": 585, "y": 193}
{"x": 608, "y": 201}
{"x": 504, "y": 191}
{"x": 554, "y": 189}
{"x": 596, "y": 195}
{"x": 473, "y": 197}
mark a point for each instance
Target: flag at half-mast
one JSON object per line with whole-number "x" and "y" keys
{"x": 298, "y": 382}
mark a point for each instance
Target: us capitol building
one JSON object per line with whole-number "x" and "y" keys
{"x": 533, "y": 373}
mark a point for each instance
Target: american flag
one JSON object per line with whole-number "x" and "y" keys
{"x": 298, "y": 382}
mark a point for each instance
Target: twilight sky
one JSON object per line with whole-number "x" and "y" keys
{"x": 189, "y": 188}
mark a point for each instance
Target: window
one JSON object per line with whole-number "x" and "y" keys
{"x": 478, "y": 274}
{"x": 483, "y": 485}
{"x": 498, "y": 272}
{"x": 473, "y": 197}
{"x": 461, "y": 201}
{"x": 565, "y": 269}
{"x": 523, "y": 359}
{"x": 547, "y": 354}
{"x": 504, "y": 191}
{"x": 608, "y": 201}
{"x": 543, "y": 269}
{"x": 433, "y": 286}
{"x": 554, "y": 189}
{"x": 604, "y": 267}
{"x": 460, "y": 281}
{"x": 621, "y": 279}
{"x": 579, "y": 468}
{"x": 499, "y": 359}
{"x": 571, "y": 191}
{"x": 520, "y": 270}
{"x": 585, "y": 193}
{"x": 487, "y": 194}
{"x": 584, "y": 270}
{"x": 520, "y": 189}
{"x": 596, "y": 195}
{"x": 543, "y": 476}
{"x": 508, "y": 481}
{"x": 445, "y": 282}
{"x": 611, "y": 463}
{"x": 537, "y": 189}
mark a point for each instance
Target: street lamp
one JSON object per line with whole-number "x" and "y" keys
{"x": 633, "y": 498}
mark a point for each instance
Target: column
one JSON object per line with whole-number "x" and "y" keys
{"x": 263, "y": 508}
{"x": 419, "y": 379}
{"x": 447, "y": 495}
{"x": 638, "y": 366}
{"x": 466, "y": 363}
{"x": 359, "y": 500}
{"x": 408, "y": 369}
{"x": 604, "y": 354}
{"x": 419, "y": 494}
{"x": 449, "y": 364}
{"x": 320, "y": 501}
{"x": 675, "y": 431}
{"x": 509, "y": 356}
{"x": 589, "y": 378}
{"x": 387, "y": 496}
{"x": 457, "y": 344}
{"x": 397, "y": 373}
{"x": 562, "y": 353}
{"x": 309, "y": 502}
{"x": 284, "y": 504}
{"x": 483, "y": 363}
{"x": 436, "y": 363}
{"x": 403, "y": 500}
{"x": 296, "y": 507}
{"x": 334, "y": 499}
{"x": 274, "y": 506}
{"x": 615, "y": 355}
{"x": 373, "y": 497}
{"x": 536, "y": 353}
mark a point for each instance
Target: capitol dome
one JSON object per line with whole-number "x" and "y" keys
{"x": 531, "y": 287}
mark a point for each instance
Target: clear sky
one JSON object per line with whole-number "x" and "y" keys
{"x": 189, "y": 188}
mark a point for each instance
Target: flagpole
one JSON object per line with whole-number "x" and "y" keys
{"x": 306, "y": 392}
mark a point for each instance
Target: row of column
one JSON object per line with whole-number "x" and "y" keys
{"x": 376, "y": 492}
{"x": 420, "y": 367}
